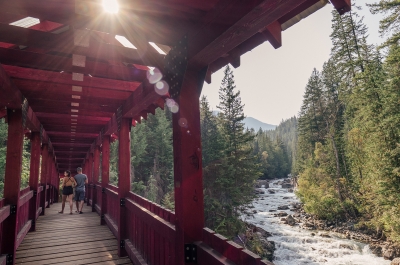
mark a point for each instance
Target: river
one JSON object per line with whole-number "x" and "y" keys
{"x": 296, "y": 246}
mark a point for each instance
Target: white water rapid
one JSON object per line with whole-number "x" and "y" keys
{"x": 296, "y": 246}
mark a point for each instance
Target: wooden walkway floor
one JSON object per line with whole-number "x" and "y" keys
{"x": 69, "y": 239}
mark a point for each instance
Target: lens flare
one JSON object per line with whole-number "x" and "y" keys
{"x": 154, "y": 75}
{"x": 161, "y": 88}
{"x": 111, "y": 6}
{"x": 182, "y": 122}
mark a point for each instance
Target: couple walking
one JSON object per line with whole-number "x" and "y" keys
{"x": 78, "y": 181}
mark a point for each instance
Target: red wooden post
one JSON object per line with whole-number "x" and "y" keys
{"x": 34, "y": 177}
{"x": 105, "y": 174}
{"x": 124, "y": 180}
{"x": 12, "y": 180}
{"x": 90, "y": 179}
{"x": 96, "y": 164}
{"x": 189, "y": 205}
{"x": 52, "y": 180}
{"x": 48, "y": 178}
{"x": 43, "y": 177}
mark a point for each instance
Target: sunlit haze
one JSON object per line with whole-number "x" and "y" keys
{"x": 272, "y": 82}
{"x": 111, "y": 6}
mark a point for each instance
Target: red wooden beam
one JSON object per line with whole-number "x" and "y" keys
{"x": 67, "y": 79}
{"x": 210, "y": 42}
{"x": 80, "y": 118}
{"x": 11, "y": 97}
{"x": 64, "y": 43}
{"x": 342, "y": 6}
{"x": 62, "y": 63}
{"x": 47, "y": 90}
{"x": 273, "y": 33}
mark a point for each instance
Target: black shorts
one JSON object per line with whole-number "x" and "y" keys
{"x": 68, "y": 190}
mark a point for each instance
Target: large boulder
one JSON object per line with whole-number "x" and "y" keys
{"x": 396, "y": 261}
{"x": 290, "y": 220}
{"x": 283, "y": 207}
{"x": 389, "y": 254}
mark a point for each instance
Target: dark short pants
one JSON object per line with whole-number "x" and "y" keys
{"x": 79, "y": 195}
{"x": 67, "y": 191}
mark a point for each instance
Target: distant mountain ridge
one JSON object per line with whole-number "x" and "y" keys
{"x": 252, "y": 123}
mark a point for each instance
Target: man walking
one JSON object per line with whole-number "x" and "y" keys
{"x": 81, "y": 180}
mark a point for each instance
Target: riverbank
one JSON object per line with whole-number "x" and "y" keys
{"x": 301, "y": 239}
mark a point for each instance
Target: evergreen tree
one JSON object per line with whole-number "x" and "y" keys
{"x": 229, "y": 183}
{"x": 390, "y": 23}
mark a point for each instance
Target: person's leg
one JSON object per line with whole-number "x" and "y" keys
{"x": 82, "y": 200}
{"x": 71, "y": 205}
{"x": 63, "y": 203}
{"x": 77, "y": 201}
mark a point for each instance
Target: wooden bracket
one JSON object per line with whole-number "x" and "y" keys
{"x": 273, "y": 33}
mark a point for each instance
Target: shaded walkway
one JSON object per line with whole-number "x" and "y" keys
{"x": 69, "y": 239}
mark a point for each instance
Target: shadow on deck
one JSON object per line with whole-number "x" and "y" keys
{"x": 69, "y": 239}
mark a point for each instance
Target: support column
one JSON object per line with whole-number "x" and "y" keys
{"x": 52, "y": 186}
{"x": 96, "y": 164}
{"x": 12, "y": 180}
{"x": 188, "y": 179}
{"x": 124, "y": 180}
{"x": 105, "y": 174}
{"x": 48, "y": 178}
{"x": 43, "y": 178}
{"x": 34, "y": 177}
{"x": 90, "y": 179}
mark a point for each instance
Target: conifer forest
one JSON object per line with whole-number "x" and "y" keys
{"x": 342, "y": 148}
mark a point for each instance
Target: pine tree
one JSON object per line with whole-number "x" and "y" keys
{"x": 229, "y": 183}
{"x": 390, "y": 23}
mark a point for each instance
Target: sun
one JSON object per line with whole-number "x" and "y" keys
{"x": 111, "y": 6}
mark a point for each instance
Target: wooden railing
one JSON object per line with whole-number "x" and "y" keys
{"x": 151, "y": 233}
{"x": 4, "y": 213}
{"x": 26, "y": 215}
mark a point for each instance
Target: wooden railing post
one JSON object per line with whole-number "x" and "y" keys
{"x": 188, "y": 179}
{"x": 90, "y": 178}
{"x": 96, "y": 164}
{"x": 12, "y": 180}
{"x": 105, "y": 174}
{"x": 34, "y": 177}
{"x": 48, "y": 178}
{"x": 124, "y": 181}
{"x": 43, "y": 180}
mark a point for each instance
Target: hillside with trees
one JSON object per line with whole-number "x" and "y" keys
{"x": 348, "y": 153}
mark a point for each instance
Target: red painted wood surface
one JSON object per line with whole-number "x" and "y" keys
{"x": 89, "y": 173}
{"x": 34, "y": 176}
{"x": 11, "y": 96}
{"x": 99, "y": 198}
{"x": 4, "y": 213}
{"x": 189, "y": 205}
{"x": 105, "y": 174}
{"x": 112, "y": 203}
{"x": 96, "y": 168}
{"x": 124, "y": 177}
{"x": 12, "y": 179}
{"x": 43, "y": 176}
{"x": 149, "y": 231}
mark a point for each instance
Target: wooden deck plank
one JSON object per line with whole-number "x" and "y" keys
{"x": 69, "y": 239}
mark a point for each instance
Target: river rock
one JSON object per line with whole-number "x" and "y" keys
{"x": 290, "y": 190}
{"x": 396, "y": 261}
{"x": 281, "y": 214}
{"x": 283, "y": 207}
{"x": 287, "y": 186}
{"x": 271, "y": 191}
{"x": 389, "y": 254}
{"x": 290, "y": 220}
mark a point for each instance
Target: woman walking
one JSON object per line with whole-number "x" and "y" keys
{"x": 67, "y": 185}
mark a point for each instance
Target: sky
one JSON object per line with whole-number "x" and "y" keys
{"x": 272, "y": 81}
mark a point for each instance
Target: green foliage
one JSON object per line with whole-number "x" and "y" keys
{"x": 231, "y": 167}
{"x": 348, "y": 155}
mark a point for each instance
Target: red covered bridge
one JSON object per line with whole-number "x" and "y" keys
{"x": 72, "y": 76}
